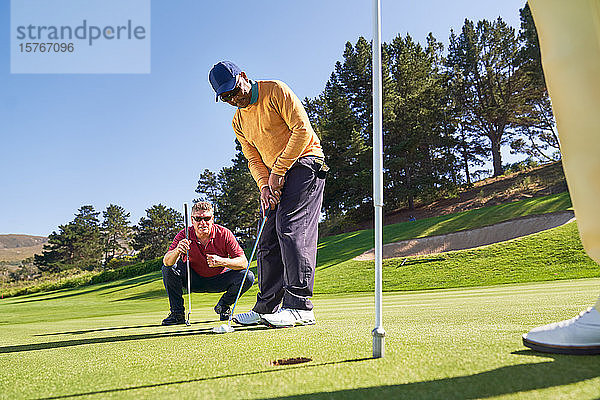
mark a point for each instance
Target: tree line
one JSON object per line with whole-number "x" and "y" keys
{"x": 445, "y": 114}
{"x": 86, "y": 243}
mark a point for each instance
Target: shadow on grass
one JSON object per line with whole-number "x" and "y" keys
{"x": 115, "y": 328}
{"x": 211, "y": 378}
{"x": 113, "y": 339}
{"x": 126, "y": 284}
{"x": 150, "y": 294}
{"x": 561, "y": 370}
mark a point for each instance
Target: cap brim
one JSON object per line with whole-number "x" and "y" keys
{"x": 226, "y": 87}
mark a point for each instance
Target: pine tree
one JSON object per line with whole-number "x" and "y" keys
{"x": 417, "y": 140}
{"x": 207, "y": 188}
{"x": 154, "y": 234}
{"x": 77, "y": 244}
{"x": 485, "y": 62}
{"x": 537, "y": 126}
{"x": 116, "y": 231}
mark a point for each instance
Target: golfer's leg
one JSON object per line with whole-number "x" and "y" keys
{"x": 297, "y": 228}
{"x": 228, "y": 282}
{"x": 270, "y": 269}
{"x": 173, "y": 279}
{"x": 569, "y": 34}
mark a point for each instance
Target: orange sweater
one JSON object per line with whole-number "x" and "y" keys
{"x": 274, "y": 131}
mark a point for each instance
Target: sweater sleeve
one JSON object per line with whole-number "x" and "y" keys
{"x": 257, "y": 167}
{"x": 293, "y": 113}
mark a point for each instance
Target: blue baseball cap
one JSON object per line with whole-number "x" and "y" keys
{"x": 223, "y": 76}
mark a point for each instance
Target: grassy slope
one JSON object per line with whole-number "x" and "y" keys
{"x": 553, "y": 254}
{"x": 343, "y": 247}
{"x": 103, "y": 342}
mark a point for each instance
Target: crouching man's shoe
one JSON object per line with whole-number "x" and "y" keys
{"x": 224, "y": 311}
{"x": 174, "y": 319}
{"x": 579, "y": 335}
{"x": 288, "y": 317}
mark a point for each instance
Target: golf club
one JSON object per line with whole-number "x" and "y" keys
{"x": 225, "y": 328}
{"x": 187, "y": 264}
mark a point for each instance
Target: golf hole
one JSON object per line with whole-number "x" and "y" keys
{"x": 290, "y": 361}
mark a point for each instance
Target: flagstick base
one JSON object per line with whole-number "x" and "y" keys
{"x": 378, "y": 342}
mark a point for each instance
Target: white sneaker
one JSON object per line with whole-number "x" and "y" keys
{"x": 248, "y": 318}
{"x": 579, "y": 335}
{"x": 288, "y": 317}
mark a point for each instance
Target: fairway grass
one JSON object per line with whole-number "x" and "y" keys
{"x": 104, "y": 341}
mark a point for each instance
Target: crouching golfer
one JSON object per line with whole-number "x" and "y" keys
{"x": 286, "y": 161}
{"x": 217, "y": 264}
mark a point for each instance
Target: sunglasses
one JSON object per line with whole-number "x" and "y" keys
{"x": 228, "y": 96}
{"x": 198, "y": 219}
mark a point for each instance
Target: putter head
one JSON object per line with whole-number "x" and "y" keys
{"x": 187, "y": 320}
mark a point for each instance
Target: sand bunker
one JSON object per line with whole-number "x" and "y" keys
{"x": 474, "y": 237}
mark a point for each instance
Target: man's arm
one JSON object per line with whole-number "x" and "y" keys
{"x": 292, "y": 111}
{"x": 236, "y": 263}
{"x": 258, "y": 169}
{"x": 236, "y": 258}
{"x": 173, "y": 255}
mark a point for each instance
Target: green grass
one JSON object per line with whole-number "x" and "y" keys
{"x": 338, "y": 249}
{"x": 103, "y": 342}
{"x": 549, "y": 255}
{"x": 343, "y": 247}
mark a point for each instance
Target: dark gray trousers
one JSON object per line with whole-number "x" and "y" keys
{"x": 175, "y": 279}
{"x": 287, "y": 250}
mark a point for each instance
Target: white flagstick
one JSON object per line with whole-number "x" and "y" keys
{"x": 378, "y": 332}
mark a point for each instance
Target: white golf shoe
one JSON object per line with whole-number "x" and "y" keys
{"x": 288, "y": 317}
{"x": 579, "y": 335}
{"x": 248, "y": 318}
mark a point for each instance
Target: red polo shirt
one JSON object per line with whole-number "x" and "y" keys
{"x": 221, "y": 242}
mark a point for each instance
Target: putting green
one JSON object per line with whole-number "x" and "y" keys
{"x": 103, "y": 342}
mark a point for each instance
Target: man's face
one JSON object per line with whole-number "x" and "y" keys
{"x": 202, "y": 221}
{"x": 241, "y": 94}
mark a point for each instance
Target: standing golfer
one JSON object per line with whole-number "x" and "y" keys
{"x": 217, "y": 264}
{"x": 286, "y": 160}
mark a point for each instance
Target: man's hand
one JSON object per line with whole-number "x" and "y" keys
{"x": 276, "y": 184}
{"x": 183, "y": 246}
{"x": 214, "y": 260}
{"x": 267, "y": 200}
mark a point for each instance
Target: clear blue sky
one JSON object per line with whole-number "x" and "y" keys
{"x": 141, "y": 139}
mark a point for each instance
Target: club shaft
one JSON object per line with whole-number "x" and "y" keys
{"x": 187, "y": 264}
{"x": 262, "y": 225}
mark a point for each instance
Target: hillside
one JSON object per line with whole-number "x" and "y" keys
{"x": 19, "y": 247}
{"x": 15, "y": 241}
{"x": 539, "y": 181}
